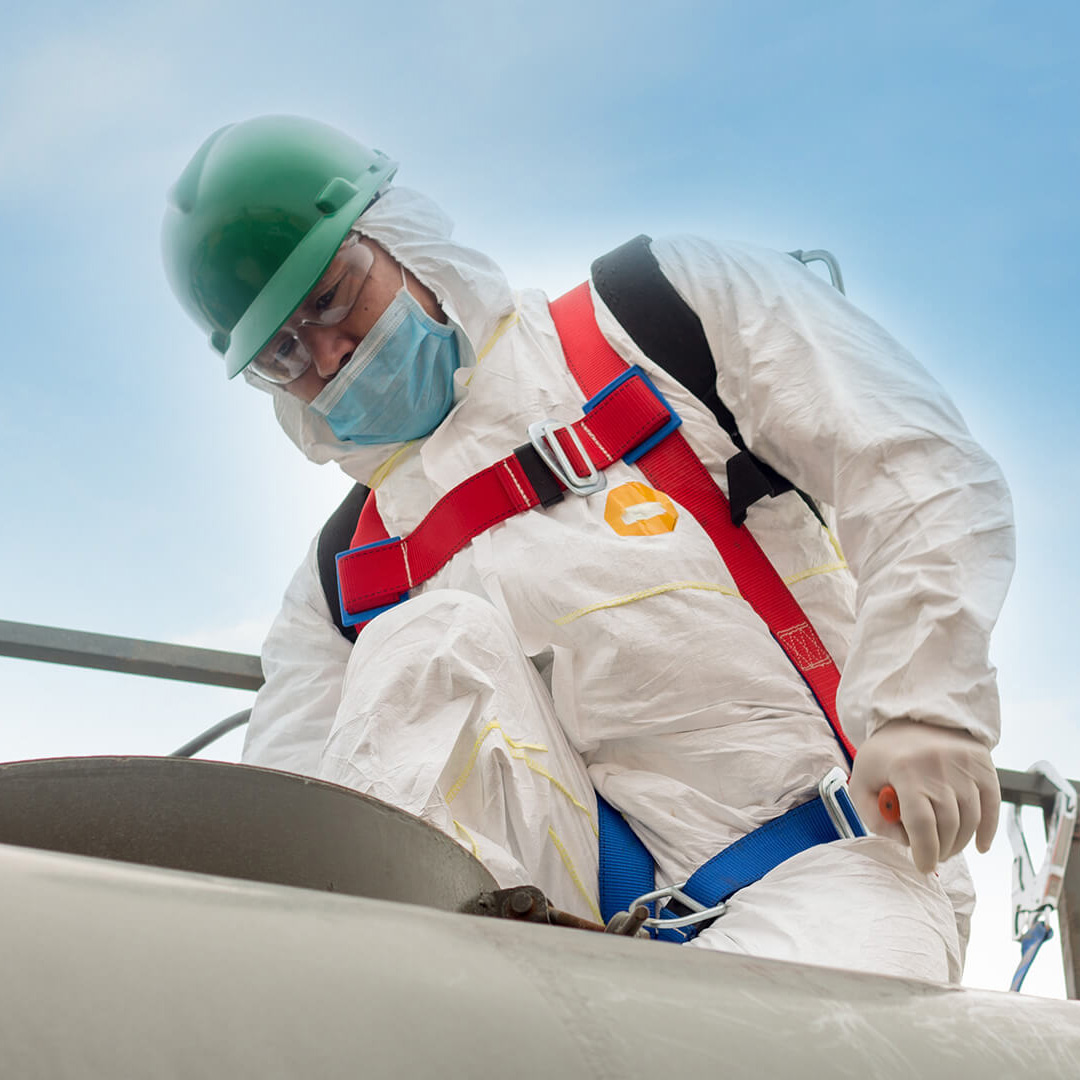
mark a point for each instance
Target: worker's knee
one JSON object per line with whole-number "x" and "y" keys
{"x": 448, "y": 606}
{"x": 440, "y": 623}
{"x": 446, "y": 658}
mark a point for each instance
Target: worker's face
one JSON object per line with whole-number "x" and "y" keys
{"x": 331, "y": 347}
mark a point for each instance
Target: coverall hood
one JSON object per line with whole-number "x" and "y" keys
{"x": 471, "y": 289}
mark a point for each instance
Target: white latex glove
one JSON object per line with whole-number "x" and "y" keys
{"x": 945, "y": 783}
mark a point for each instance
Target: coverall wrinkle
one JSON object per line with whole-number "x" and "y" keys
{"x": 444, "y": 716}
{"x": 680, "y": 705}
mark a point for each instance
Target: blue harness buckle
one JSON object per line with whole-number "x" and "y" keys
{"x": 674, "y": 419}
{"x": 369, "y": 613}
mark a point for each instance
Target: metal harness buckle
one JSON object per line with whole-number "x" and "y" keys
{"x": 1035, "y": 895}
{"x": 834, "y": 794}
{"x": 698, "y": 912}
{"x": 541, "y": 435}
{"x": 845, "y": 819}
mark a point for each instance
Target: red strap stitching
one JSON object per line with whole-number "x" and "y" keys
{"x": 672, "y": 466}
{"x": 350, "y": 566}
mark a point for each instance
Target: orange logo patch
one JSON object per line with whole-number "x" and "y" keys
{"x": 633, "y": 509}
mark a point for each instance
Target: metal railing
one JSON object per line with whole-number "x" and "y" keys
{"x": 830, "y": 261}
{"x": 134, "y": 656}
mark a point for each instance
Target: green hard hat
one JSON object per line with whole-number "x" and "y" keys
{"x": 254, "y": 221}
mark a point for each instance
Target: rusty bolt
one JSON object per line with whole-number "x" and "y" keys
{"x": 521, "y": 902}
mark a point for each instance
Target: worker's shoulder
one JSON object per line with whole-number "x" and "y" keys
{"x": 731, "y": 276}
{"x": 695, "y": 252}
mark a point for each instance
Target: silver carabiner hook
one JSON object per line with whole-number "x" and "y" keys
{"x": 1036, "y": 893}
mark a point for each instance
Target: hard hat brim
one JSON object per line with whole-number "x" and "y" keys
{"x": 296, "y": 276}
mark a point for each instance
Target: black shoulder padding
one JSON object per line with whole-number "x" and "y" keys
{"x": 668, "y": 331}
{"x": 663, "y": 325}
{"x": 333, "y": 539}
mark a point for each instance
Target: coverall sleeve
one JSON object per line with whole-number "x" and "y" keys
{"x": 827, "y": 397}
{"x": 304, "y": 659}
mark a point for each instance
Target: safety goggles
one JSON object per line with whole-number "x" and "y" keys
{"x": 285, "y": 357}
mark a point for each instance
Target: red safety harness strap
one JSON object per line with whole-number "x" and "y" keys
{"x": 379, "y": 569}
{"x": 625, "y": 417}
{"x": 673, "y": 468}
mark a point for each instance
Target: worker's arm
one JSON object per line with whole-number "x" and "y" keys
{"x": 828, "y": 398}
{"x": 304, "y": 659}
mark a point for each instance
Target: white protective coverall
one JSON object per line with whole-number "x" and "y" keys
{"x": 569, "y": 648}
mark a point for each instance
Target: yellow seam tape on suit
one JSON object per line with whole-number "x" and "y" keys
{"x": 508, "y": 321}
{"x": 572, "y": 871}
{"x": 828, "y": 568}
{"x": 836, "y": 546}
{"x": 674, "y": 586}
{"x": 390, "y": 464}
{"x": 656, "y": 590}
{"x": 538, "y": 768}
{"x": 468, "y": 836}
{"x": 517, "y": 750}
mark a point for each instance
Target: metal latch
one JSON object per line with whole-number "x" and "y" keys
{"x": 834, "y": 794}
{"x": 699, "y": 913}
{"x": 542, "y": 436}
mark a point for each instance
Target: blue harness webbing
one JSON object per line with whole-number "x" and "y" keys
{"x": 627, "y": 870}
{"x": 1030, "y": 945}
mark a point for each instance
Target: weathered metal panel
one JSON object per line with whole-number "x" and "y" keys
{"x": 236, "y": 821}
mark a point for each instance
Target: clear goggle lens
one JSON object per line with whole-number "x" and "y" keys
{"x": 285, "y": 357}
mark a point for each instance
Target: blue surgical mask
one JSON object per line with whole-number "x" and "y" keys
{"x": 399, "y": 383}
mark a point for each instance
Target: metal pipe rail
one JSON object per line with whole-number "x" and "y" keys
{"x": 132, "y": 656}
{"x": 830, "y": 261}
{"x": 135, "y": 656}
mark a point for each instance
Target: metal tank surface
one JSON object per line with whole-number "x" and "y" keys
{"x": 116, "y": 970}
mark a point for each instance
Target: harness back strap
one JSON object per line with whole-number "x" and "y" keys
{"x": 672, "y": 467}
{"x": 334, "y": 537}
{"x": 667, "y": 330}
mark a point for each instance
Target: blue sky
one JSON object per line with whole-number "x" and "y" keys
{"x": 932, "y": 146}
